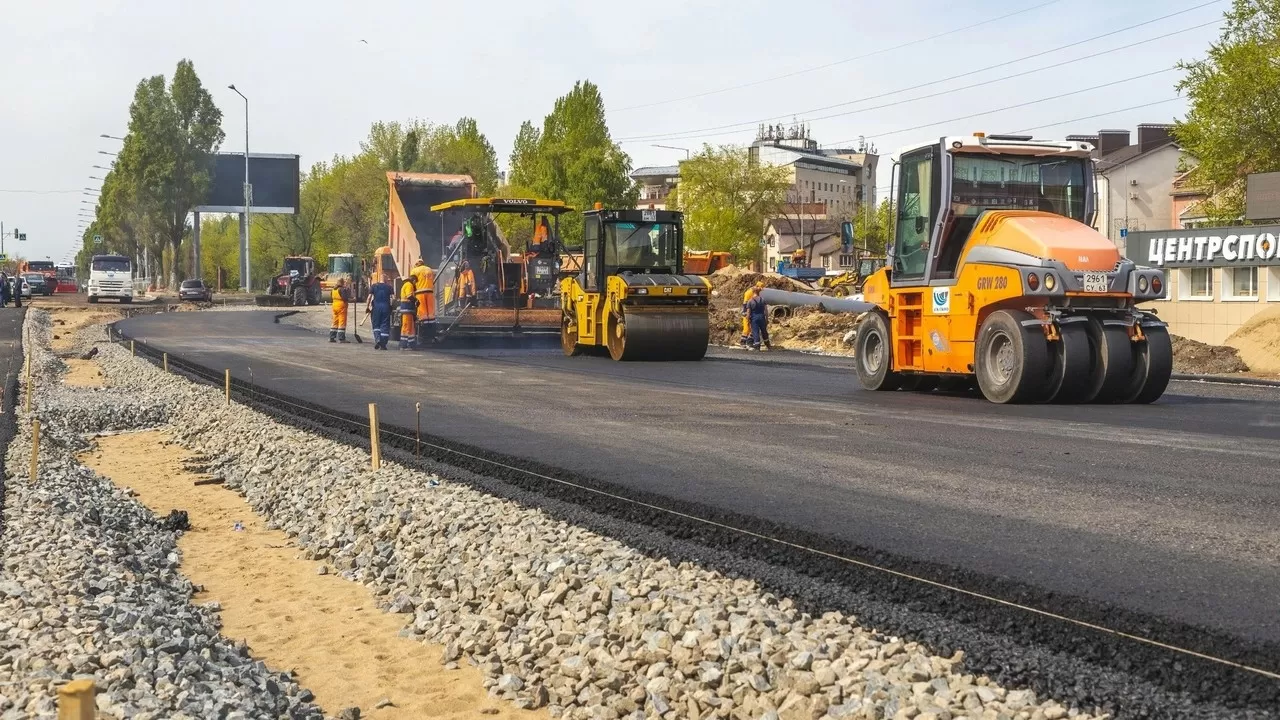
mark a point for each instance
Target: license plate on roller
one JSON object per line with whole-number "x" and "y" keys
{"x": 1095, "y": 282}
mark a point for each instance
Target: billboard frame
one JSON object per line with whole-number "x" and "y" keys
{"x": 256, "y": 209}
{"x": 1262, "y": 196}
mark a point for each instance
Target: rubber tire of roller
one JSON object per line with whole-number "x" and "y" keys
{"x": 1028, "y": 350}
{"x": 874, "y": 327}
{"x": 1111, "y": 362}
{"x": 1152, "y": 366}
{"x": 569, "y": 340}
{"x": 1070, "y": 361}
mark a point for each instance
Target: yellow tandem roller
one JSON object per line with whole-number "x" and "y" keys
{"x": 632, "y": 298}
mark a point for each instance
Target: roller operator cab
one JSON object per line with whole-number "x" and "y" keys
{"x": 995, "y": 274}
{"x": 632, "y": 297}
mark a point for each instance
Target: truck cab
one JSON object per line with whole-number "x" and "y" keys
{"x": 110, "y": 276}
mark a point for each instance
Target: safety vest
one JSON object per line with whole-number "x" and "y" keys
{"x": 339, "y": 301}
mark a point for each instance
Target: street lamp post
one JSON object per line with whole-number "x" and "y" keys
{"x": 687, "y": 154}
{"x": 248, "y": 198}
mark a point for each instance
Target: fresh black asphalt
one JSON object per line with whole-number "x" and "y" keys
{"x": 11, "y": 320}
{"x": 1162, "y": 513}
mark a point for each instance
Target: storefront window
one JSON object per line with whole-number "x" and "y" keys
{"x": 1196, "y": 283}
{"x": 1273, "y": 284}
{"x": 1244, "y": 282}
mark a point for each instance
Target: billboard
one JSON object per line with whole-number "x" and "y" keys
{"x": 274, "y": 179}
{"x": 1262, "y": 196}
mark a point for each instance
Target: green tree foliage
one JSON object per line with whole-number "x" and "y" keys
{"x": 573, "y": 158}
{"x": 726, "y": 199}
{"x": 875, "y": 229}
{"x": 162, "y": 171}
{"x": 1233, "y": 125}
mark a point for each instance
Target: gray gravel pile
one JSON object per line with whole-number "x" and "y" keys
{"x": 90, "y": 585}
{"x": 556, "y": 615}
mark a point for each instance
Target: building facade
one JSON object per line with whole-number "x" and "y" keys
{"x": 1218, "y": 277}
{"x": 656, "y": 183}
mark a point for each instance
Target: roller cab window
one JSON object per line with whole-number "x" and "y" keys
{"x": 917, "y": 211}
{"x": 648, "y": 247}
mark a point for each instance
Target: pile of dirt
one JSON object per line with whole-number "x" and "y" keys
{"x": 1259, "y": 342}
{"x": 729, "y": 283}
{"x": 800, "y": 329}
{"x": 815, "y": 329}
{"x": 1197, "y": 358}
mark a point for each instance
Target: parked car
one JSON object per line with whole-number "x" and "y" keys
{"x": 26, "y": 288}
{"x": 18, "y": 289}
{"x": 39, "y": 285}
{"x": 195, "y": 290}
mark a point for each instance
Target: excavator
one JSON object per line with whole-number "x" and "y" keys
{"x": 486, "y": 287}
{"x": 997, "y": 277}
{"x": 632, "y": 297}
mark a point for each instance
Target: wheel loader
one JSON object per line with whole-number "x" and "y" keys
{"x": 632, "y": 297}
{"x": 996, "y": 276}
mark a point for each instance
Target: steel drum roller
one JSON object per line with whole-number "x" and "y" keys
{"x": 657, "y": 334}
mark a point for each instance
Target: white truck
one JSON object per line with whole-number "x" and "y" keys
{"x": 111, "y": 276}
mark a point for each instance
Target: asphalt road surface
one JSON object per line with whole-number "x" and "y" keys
{"x": 1168, "y": 509}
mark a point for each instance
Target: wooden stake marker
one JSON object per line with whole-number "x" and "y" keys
{"x": 35, "y": 448}
{"x": 166, "y": 362}
{"x": 132, "y": 348}
{"x": 76, "y": 701}
{"x": 417, "y": 443}
{"x": 375, "y": 450}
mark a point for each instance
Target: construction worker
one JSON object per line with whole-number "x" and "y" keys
{"x": 466, "y": 282}
{"x": 379, "y": 307}
{"x": 408, "y": 314}
{"x": 424, "y": 280}
{"x": 541, "y": 233}
{"x": 341, "y": 296}
{"x": 758, "y": 314}
{"x": 746, "y": 321}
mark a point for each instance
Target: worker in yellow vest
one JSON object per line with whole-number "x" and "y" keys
{"x": 745, "y": 340}
{"x": 425, "y": 292}
{"x": 408, "y": 312}
{"x": 341, "y": 296}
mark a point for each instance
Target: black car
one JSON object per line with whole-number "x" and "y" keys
{"x": 195, "y": 290}
{"x": 39, "y": 284}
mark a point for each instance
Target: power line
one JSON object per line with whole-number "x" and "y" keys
{"x": 40, "y": 192}
{"x": 837, "y": 62}
{"x": 675, "y": 135}
{"x": 1091, "y": 117}
{"x": 1015, "y": 106}
{"x": 983, "y": 83}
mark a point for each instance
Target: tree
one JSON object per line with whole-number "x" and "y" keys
{"x": 1233, "y": 125}
{"x": 726, "y": 199}
{"x": 163, "y": 169}
{"x": 573, "y": 158}
{"x": 524, "y": 155}
{"x": 875, "y": 229}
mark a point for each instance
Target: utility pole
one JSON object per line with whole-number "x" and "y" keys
{"x": 245, "y": 283}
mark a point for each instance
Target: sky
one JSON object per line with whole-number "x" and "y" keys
{"x": 318, "y": 72}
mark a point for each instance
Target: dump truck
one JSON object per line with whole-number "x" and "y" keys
{"x": 415, "y": 231}
{"x": 632, "y": 297}
{"x": 486, "y": 287}
{"x": 705, "y": 262}
{"x": 996, "y": 276}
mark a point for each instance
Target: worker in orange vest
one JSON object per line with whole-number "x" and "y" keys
{"x": 341, "y": 296}
{"x": 466, "y": 282}
{"x": 424, "y": 279}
